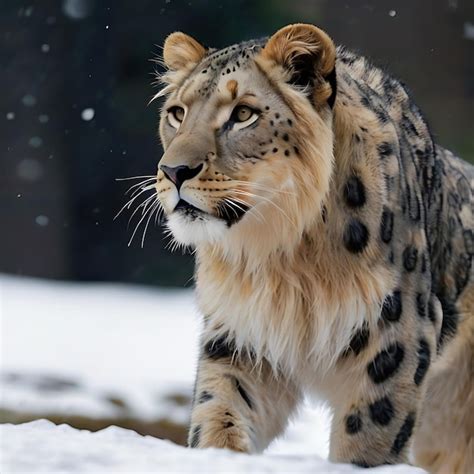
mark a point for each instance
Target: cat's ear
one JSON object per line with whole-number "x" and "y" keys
{"x": 308, "y": 55}
{"x": 181, "y": 51}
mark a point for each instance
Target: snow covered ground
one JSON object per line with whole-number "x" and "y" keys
{"x": 64, "y": 449}
{"x": 114, "y": 352}
{"x": 95, "y": 343}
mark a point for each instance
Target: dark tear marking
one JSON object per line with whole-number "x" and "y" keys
{"x": 353, "y": 424}
{"x": 386, "y": 363}
{"x": 205, "y": 397}
{"x": 356, "y": 236}
{"x": 410, "y": 257}
{"x": 195, "y": 437}
{"x": 382, "y": 411}
{"x": 219, "y": 348}
{"x": 359, "y": 341}
{"x": 354, "y": 192}
{"x": 404, "y": 434}
{"x": 392, "y": 307}
{"x": 424, "y": 359}
{"x": 386, "y": 225}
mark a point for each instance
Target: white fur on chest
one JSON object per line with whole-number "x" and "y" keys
{"x": 289, "y": 331}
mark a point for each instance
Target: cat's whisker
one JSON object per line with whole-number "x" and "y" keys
{"x": 143, "y": 204}
{"x": 139, "y": 185}
{"x": 137, "y": 226}
{"x": 135, "y": 177}
{"x": 132, "y": 200}
{"x": 151, "y": 212}
{"x": 246, "y": 193}
{"x": 262, "y": 187}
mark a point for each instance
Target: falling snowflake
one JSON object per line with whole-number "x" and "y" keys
{"x": 77, "y": 9}
{"x": 43, "y": 118}
{"x": 35, "y": 142}
{"x": 45, "y": 48}
{"x": 10, "y": 115}
{"x": 87, "y": 114}
{"x": 392, "y": 13}
{"x": 42, "y": 220}
{"x": 469, "y": 30}
{"x": 29, "y": 169}
{"x": 29, "y": 100}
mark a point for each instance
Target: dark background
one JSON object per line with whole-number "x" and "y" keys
{"x": 59, "y": 57}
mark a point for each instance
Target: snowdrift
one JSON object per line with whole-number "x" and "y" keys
{"x": 42, "y": 446}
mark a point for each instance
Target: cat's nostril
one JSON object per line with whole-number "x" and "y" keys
{"x": 179, "y": 174}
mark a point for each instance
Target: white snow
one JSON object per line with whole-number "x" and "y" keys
{"x": 111, "y": 339}
{"x": 98, "y": 341}
{"x": 87, "y": 114}
{"x": 10, "y": 115}
{"x": 42, "y": 446}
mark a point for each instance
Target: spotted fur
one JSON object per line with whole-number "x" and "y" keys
{"x": 334, "y": 244}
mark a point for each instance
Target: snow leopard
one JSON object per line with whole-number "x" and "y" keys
{"x": 333, "y": 241}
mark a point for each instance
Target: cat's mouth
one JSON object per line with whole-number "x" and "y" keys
{"x": 227, "y": 211}
{"x": 188, "y": 211}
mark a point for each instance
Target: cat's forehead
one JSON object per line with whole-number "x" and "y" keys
{"x": 240, "y": 52}
{"x": 223, "y": 62}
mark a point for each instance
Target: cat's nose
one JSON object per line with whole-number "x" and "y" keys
{"x": 179, "y": 174}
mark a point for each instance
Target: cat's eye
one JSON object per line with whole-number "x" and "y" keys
{"x": 175, "y": 116}
{"x": 242, "y": 113}
{"x": 243, "y": 116}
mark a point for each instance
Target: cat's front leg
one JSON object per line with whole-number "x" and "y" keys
{"x": 238, "y": 404}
